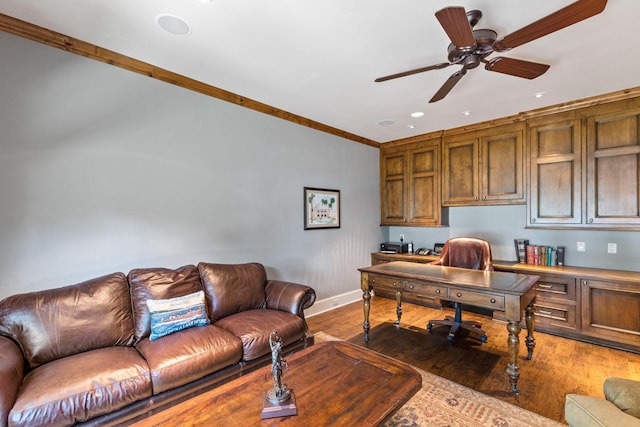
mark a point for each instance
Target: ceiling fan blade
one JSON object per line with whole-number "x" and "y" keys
{"x": 455, "y": 23}
{"x": 448, "y": 85}
{"x": 410, "y": 72}
{"x": 516, "y": 67}
{"x": 558, "y": 20}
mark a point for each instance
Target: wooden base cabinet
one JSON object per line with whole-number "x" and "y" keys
{"x": 611, "y": 311}
{"x": 556, "y": 303}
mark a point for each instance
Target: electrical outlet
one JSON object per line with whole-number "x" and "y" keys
{"x": 402, "y": 237}
{"x": 612, "y": 248}
{"x": 581, "y": 247}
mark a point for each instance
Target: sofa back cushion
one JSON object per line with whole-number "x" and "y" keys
{"x": 232, "y": 288}
{"x": 55, "y": 323}
{"x": 158, "y": 284}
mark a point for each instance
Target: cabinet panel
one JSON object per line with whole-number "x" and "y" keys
{"x": 555, "y": 186}
{"x": 613, "y": 169}
{"x": 502, "y": 165}
{"x": 392, "y": 187}
{"x": 460, "y": 167}
{"x": 611, "y": 311}
{"x": 424, "y": 185}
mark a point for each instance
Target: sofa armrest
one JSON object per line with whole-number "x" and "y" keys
{"x": 624, "y": 393}
{"x": 287, "y": 296}
{"x": 11, "y": 374}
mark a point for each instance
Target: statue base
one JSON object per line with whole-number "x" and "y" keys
{"x": 283, "y": 409}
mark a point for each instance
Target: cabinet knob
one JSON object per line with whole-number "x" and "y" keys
{"x": 475, "y": 197}
{"x": 493, "y": 300}
{"x": 590, "y": 220}
{"x": 395, "y": 284}
{"x": 533, "y": 220}
{"x": 459, "y": 294}
{"x": 437, "y": 291}
{"x": 410, "y": 286}
{"x": 484, "y": 198}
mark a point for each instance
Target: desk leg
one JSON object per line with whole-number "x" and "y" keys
{"x": 530, "y": 340}
{"x": 398, "y": 306}
{"x": 514, "y": 343}
{"x": 366, "y": 305}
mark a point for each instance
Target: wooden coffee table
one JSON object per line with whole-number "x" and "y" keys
{"x": 334, "y": 382}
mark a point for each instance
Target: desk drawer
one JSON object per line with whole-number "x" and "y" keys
{"x": 385, "y": 282}
{"x": 480, "y": 299}
{"x": 433, "y": 291}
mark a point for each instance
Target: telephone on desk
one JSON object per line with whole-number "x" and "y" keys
{"x": 423, "y": 251}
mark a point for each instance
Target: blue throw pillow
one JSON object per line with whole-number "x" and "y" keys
{"x": 175, "y": 314}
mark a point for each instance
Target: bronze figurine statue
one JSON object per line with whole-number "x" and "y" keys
{"x": 280, "y": 393}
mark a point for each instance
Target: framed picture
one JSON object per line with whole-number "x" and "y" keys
{"x": 321, "y": 208}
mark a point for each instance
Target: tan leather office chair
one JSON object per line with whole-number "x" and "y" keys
{"x": 464, "y": 252}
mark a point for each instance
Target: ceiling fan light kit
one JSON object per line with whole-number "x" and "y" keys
{"x": 469, "y": 48}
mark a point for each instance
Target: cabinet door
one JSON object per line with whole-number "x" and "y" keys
{"x": 460, "y": 170}
{"x": 555, "y": 186}
{"x": 392, "y": 187}
{"x": 501, "y": 165}
{"x": 613, "y": 169}
{"x": 611, "y": 311}
{"x": 424, "y": 185}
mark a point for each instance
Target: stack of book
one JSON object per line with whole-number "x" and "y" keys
{"x": 538, "y": 254}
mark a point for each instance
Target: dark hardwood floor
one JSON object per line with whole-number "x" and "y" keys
{"x": 559, "y": 365}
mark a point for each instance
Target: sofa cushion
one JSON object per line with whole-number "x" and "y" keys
{"x": 191, "y": 354}
{"x": 624, "y": 393}
{"x": 80, "y": 387}
{"x": 158, "y": 283}
{"x": 59, "y": 322}
{"x": 254, "y": 328}
{"x": 588, "y": 411}
{"x": 232, "y": 288}
{"x": 175, "y": 314}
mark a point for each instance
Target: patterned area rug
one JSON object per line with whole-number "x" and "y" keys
{"x": 444, "y": 403}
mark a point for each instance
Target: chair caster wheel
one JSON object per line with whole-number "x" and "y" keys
{"x": 450, "y": 338}
{"x": 483, "y": 339}
{"x": 429, "y": 326}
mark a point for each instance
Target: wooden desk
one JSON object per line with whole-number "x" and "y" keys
{"x": 509, "y": 292}
{"x": 334, "y": 382}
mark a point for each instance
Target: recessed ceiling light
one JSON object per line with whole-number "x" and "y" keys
{"x": 385, "y": 122}
{"x": 417, "y": 114}
{"x": 173, "y": 24}
{"x": 411, "y": 126}
{"x": 466, "y": 113}
{"x": 539, "y": 94}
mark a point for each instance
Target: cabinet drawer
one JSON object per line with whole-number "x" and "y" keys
{"x": 553, "y": 316}
{"x": 385, "y": 282}
{"x": 480, "y": 299}
{"x": 423, "y": 289}
{"x": 556, "y": 288}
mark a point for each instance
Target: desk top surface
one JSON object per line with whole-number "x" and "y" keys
{"x": 499, "y": 281}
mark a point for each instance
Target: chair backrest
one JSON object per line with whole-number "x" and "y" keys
{"x": 466, "y": 252}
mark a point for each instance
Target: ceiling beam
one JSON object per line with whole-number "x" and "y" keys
{"x": 51, "y": 38}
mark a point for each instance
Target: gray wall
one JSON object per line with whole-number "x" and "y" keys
{"x": 104, "y": 170}
{"x": 501, "y": 224}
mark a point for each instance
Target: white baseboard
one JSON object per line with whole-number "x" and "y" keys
{"x": 336, "y": 301}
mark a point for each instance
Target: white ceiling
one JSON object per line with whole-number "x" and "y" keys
{"x": 319, "y": 58}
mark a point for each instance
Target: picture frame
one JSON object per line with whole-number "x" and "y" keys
{"x": 321, "y": 208}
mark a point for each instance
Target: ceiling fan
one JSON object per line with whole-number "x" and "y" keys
{"x": 471, "y": 47}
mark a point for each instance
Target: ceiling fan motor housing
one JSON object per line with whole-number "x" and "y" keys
{"x": 472, "y": 57}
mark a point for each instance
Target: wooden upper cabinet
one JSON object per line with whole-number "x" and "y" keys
{"x": 613, "y": 169}
{"x": 410, "y": 185}
{"x": 393, "y": 185}
{"x": 484, "y": 167}
{"x": 555, "y": 168}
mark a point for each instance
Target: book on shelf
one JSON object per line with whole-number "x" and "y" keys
{"x": 521, "y": 249}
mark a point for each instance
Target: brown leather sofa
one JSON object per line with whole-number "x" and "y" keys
{"x": 83, "y": 353}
